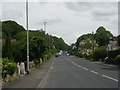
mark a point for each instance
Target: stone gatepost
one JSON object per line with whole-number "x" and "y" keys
{"x": 18, "y": 68}
{"x": 22, "y": 68}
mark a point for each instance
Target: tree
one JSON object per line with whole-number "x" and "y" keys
{"x": 7, "y": 49}
{"x": 38, "y": 47}
{"x": 11, "y": 28}
{"x": 38, "y": 42}
{"x": 59, "y": 43}
{"x": 118, "y": 40}
{"x": 103, "y": 36}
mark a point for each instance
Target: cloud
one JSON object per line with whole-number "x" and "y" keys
{"x": 65, "y": 19}
{"x": 12, "y": 14}
{"x": 49, "y": 21}
{"x": 96, "y": 9}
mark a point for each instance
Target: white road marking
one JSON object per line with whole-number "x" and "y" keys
{"x": 85, "y": 68}
{"x": 79, "y": 66}
{"x": 93, "y": 72}
{"x": 75, "y": 64}
{"x": 110, "y": 78}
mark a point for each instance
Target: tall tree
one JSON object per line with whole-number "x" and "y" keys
{"x": 103, "y": 36}
{"x": 7, "y": 49}
{"x": 118, "y": 40}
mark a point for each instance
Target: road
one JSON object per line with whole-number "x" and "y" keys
{"x": 69, "y": 72}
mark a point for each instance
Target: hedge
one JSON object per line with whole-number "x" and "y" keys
{"x": 99, "y": 53}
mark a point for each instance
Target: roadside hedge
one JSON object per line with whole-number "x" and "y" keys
{"x": 113, "y": 53}
{"x": 118, "y": 59}
{"x": 99, "y": 53}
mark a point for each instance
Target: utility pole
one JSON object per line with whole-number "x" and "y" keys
{"x": 93, "y": 40}
{"x": 49, "y": 42}
{"x": 27, "y": 37}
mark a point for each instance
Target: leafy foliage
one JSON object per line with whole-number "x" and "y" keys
{"x": 38, "y": 47}
{"x": 118, "y": 40}
{"x": 11, "y": 28}
{"x": 59, "y": 43}
{"x": 100, "y": 53}
{"x": 7, "y": 49}
{"x": 103, "y": 36}
{"x": 38, "y": 43}
{"x": 118, "y": 59}
{"x": 8, "y": 67}
{"x": 84, "y": 37}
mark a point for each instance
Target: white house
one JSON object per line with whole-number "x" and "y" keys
{"x": 113, "y": 45}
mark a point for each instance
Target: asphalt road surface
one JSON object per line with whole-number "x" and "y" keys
{"x": 69, "y": 72}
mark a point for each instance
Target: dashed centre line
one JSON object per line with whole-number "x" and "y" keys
{"x": 91, "y": 70}
{"x": 110, "y": 78}
{"x": 85, "y": 68}
{"x": 94, "y": 72}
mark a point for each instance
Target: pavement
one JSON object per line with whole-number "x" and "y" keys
{"x": 69, "y": 72}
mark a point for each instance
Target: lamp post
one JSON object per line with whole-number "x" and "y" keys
{"x": 27, "y": 37}
{"x": 45, "y": 26}
{"x": 48, "y": 34}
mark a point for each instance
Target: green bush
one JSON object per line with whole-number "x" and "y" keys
{"x": 113, "y": 53}
{"x": 89, "y": 56}
{"x": 80, "y": 55}
{"x": 110, "y": 61}
{"x": 118, "y": 59}
{"x": 36, "y": 61}
{"x": 99, "y": 53}
{"x": 8, "y": 67}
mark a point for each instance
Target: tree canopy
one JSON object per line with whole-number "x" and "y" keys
{"x": 38, "y": 42}
{"x": 103, "y": 36}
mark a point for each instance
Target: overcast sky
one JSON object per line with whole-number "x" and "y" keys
{"x": 68, "y": 20}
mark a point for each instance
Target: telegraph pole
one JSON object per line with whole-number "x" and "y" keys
{"x": 27, "y": 37}
{"x": 93, "y": 40}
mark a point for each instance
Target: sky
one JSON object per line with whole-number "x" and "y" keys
{"x": 68, "y": 20}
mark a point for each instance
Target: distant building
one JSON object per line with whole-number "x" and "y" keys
{"x": 113, "y": 45}
{"x": 82, "y": 42}
{"x": 4, "y": 40}
{"x": 73, "y": 46}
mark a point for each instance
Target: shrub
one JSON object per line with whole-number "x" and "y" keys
{"x": 118, "y": 59}
{"x": 8, "y": 67}
{"x": 80, "y": 55}
{"x": 89, "y": 56}
{"x": 36, "y": 61}
{"x": 113, "y": 53}
{"x": 48, "y": 55}
{"x": 110, "y": 61}
{"x": 99, "y": 53}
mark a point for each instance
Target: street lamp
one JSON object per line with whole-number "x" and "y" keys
{"x": 27, "y": 37}
{"x": 45, "y": 26}
{"x": 48, "y": 34}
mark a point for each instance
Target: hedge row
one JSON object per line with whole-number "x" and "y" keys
{"x": 111, "y": 57}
